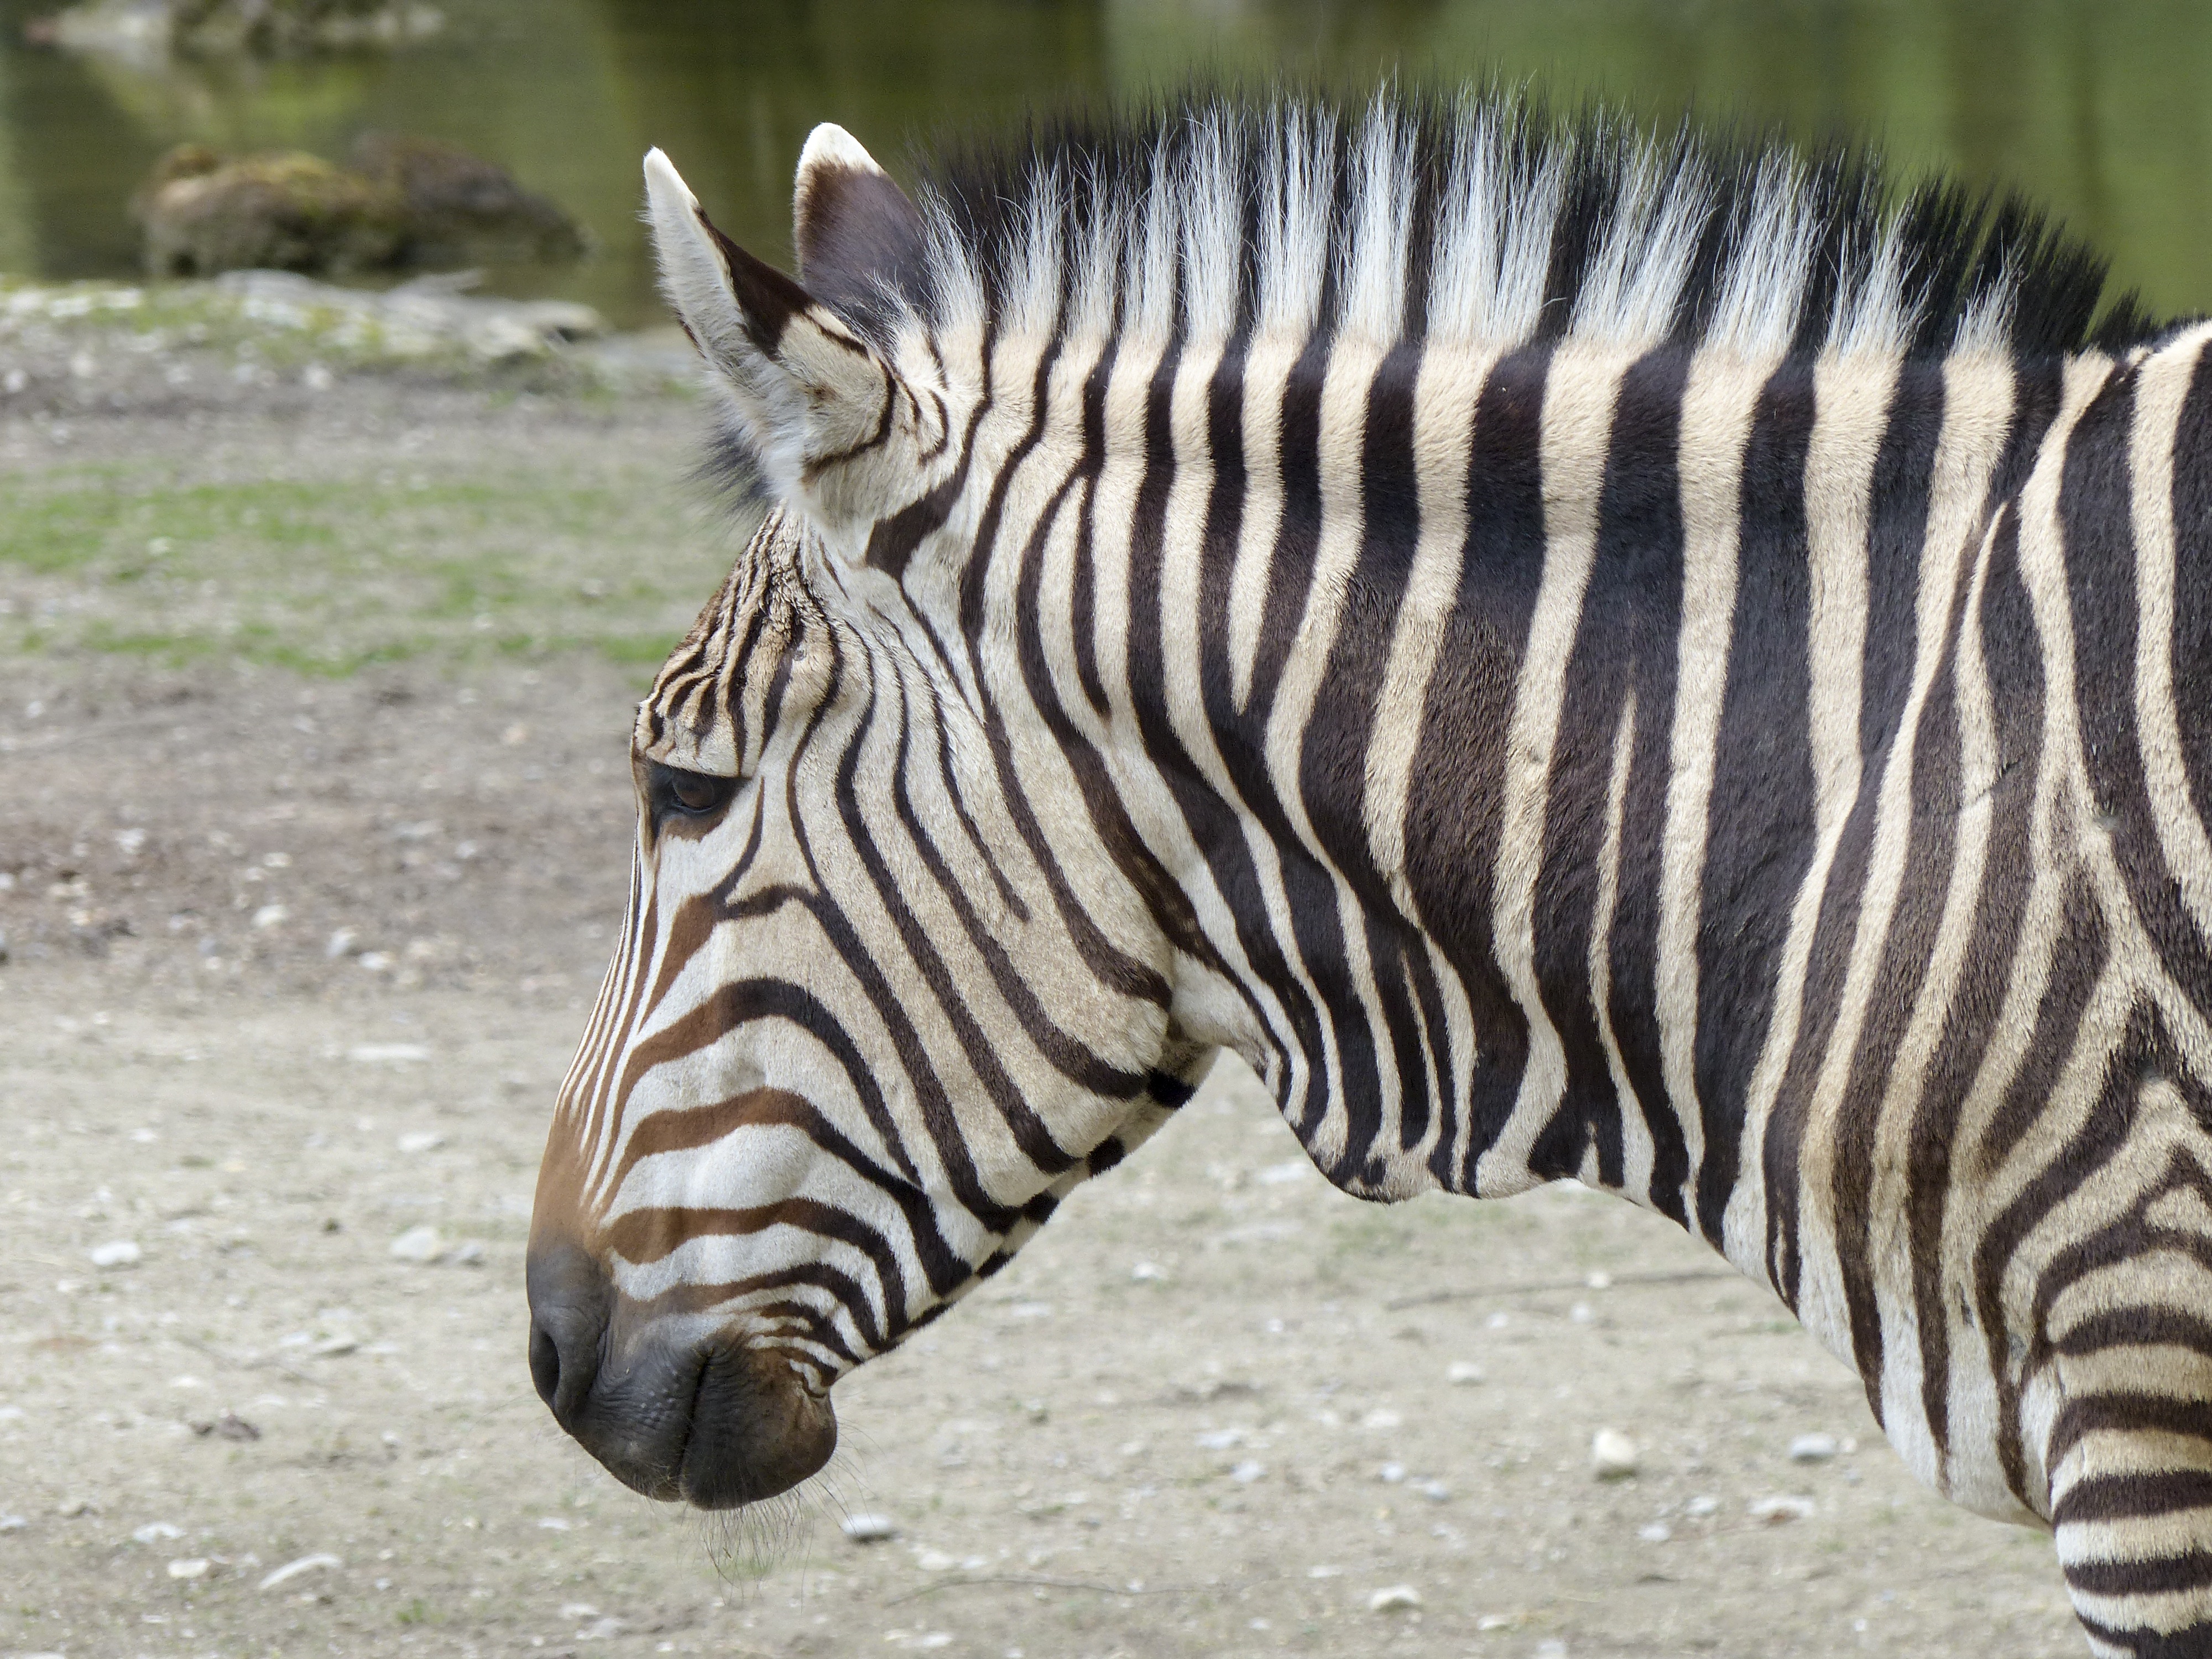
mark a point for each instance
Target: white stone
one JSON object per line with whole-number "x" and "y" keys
{"x": 386, "y": 1054}
{"x": 292, "y": 1570}
{"x": 1701, "y": 1506}
{"x": 1613, "y": 1455}
{"x": 331, "y": 1346}
{"x": 154, "y": 1531}
{"x": 421, "y": 1141}
{"x": 1394, "y": 1598}
{"x": 270, "y": 916}
{"x": 869, "y": 1528}
{"x": 1391, "y": 1474}
{"x": 1462, "y": 1372}
{"x": 1148, "y": 1273}
{"x": 1813, "y": 1449}
{"x": 340, "y": 943}
{"x": 116, "y": 1253}
{"x": 1435, "y": 1491}
{"x": 1246, "y": 1472}
{"x": 13, "y": 1523}
{"x": 194, "y": 1567}
{"x": 420, "y": 1245}
{"x": 1780, "y": 1508}
{"x": 1381, "y": 1417}
{"x": 1658, "y": 1533}
{"x": 935, "y": 1561}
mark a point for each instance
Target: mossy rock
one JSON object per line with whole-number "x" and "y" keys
{"x": 286, "y": 211}
{"x": 461, "y": 207}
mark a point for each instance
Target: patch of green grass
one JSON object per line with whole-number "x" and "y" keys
{"x": 326, "y": 578}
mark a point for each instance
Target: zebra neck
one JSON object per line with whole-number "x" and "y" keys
{"x": 1546, "y": 681}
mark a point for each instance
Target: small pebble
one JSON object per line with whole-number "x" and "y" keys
{"x": 1462, "y": 1372}
{"x": 386, "y": 1054}
{"x": 1701, "y": 1506}
{"x": 421, "y": 1140}
{"x": 116, "y": 1253}
{"x": 1613, "y": 1455}
{"x": 420, "y": 1245}
{"x": 1381, "y": 1417}
{"x": 1391, "y": 1474}
{"x": 154, "y": 1531}
{"x": 1813, "y": 1449}
{"x": 1246, "y": 1472}
{"x": 1435, "y": 1491}
{"x": 1658, "y": 1533}
{"x": 12, "y": 1523}
{"x": 331, "y": 1346}
{"x": 1779, "y": 1509}
{"x": 270, "y": 915}
{"x": 1148, "y": 1273}
{"x": 292, "y": 1570}
{"x": 194, "y": 1567}
{"x": 869, "y": 1528}
{"x": 1394, "y": 1598}
{"x": 1599, "y": 1280}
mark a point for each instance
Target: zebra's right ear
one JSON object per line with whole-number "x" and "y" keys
{"x": 816, "y": 406}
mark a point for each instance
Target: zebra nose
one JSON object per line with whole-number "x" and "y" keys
{"x": 571, "y": 1298}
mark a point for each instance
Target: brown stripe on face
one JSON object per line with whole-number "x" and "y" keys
{"x": 645, "y": 1236}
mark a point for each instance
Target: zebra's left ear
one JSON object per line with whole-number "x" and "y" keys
{"x": 811, "y": 401}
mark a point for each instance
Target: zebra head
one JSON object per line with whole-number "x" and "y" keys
{"x": 880, "y": 1000}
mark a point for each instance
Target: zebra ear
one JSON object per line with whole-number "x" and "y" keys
{"x": 860, "y": 238}
{"x": 805, "y": 392}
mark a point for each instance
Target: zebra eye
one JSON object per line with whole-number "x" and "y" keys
{"x": 675, "y": 793}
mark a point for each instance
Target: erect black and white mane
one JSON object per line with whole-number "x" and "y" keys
{"x": 1478, "y": 218}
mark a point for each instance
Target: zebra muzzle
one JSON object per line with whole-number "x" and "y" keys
{"x": 675, "y": 1407}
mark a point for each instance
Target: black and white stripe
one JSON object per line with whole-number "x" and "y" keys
{"x": 1574, "y": 657}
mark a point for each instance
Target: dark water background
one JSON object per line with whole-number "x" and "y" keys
{"x": 2101, "y": 109}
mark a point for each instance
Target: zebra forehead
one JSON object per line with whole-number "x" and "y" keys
{"x": 1480, "y": 216}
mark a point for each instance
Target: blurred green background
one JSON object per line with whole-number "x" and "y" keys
{"x": 2101, "y": 108}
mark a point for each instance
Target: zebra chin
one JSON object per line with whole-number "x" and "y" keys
{"x": 673, "y": 1409}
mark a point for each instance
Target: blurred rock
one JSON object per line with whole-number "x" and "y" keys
{"x": 869, "y": 1528}
{"x": 199, "y": 214}
{"x": 146, "y": 31}
{"x": 195, "y": 1567}
{"x": 116, "y": 1253}
{"x": 229, "y": 1426}
{"x": 1813, "y": 1449}
{"x": 460, "y": 207}
{"x": 404, "y": 202}
{"x": 1776, "y": 1510}
{"x": 292, "y": 1570}
{"x": 1613, "y": 1455}
{"x": 1396, "y": 1598}
{"x": 420, "y": 1245}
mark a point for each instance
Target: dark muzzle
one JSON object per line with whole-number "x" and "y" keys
{"x": 673, "y": 1411}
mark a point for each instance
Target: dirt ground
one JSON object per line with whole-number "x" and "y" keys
{"x": 309, "y": 866}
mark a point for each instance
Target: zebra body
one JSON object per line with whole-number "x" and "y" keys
{"x": 1573, "y": 659}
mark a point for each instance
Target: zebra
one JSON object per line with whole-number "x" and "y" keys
{"x": 1664, "y": 662}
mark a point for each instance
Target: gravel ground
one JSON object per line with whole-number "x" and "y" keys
{"x": 294, "y": 961}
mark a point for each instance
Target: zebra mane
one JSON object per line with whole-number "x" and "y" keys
{"x": 1480, "y": 218}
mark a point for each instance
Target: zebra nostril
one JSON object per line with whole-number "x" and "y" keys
{"x": 570, "y": 1300}
{"x": 544, "y": 1361}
